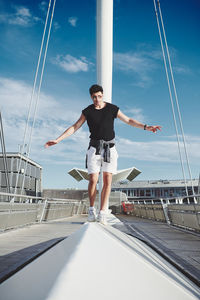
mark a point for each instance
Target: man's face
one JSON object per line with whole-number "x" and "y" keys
{"x": 97, "y": 98}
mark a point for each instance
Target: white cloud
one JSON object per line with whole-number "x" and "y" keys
{"x": 52, "y": 119}
{"x": 73, "y": 21}
{"x": 131, "y": 62}
{"x": 55, "y": 115}
{"x": 182, "y": 70}
{"x": 137, "y": 114}
{"x": 17, "y": 106}
{"x": 140, "y": 63}
{"x": 158, "y": 151}
{"x": 43, "y": 6}
{"x": 21, "y": 17}
{"x": 56, "y": 25}
{"x": 23, "y": 12}
{"x": 143, "y": 62}
{"x": 72, "y": 64}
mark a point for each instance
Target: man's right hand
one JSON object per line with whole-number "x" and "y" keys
{"x": 67, "y": 132}
{"x": 50, "y": 143}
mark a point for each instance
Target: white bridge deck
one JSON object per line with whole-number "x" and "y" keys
{"x": 95, "y": 261}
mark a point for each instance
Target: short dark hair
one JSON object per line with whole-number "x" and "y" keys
{"x": 95, "y": 88}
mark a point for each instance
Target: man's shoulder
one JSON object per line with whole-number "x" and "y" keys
{"x": 111, "y": 105}
{"x": 86, "y": 111}
{"x": 89, "y": 107}
{"x": 113, "y": 109}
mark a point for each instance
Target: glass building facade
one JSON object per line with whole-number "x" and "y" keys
{"x": 23, "y": 175}
{"x": 156, "y": 189}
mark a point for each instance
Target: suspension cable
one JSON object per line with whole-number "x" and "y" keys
{"x": 4, "y": 156}
{"x": 171, "y": 99}
{"x": 176, "y": 97}
{"x": 32, "y": 96}
{"x": 38, "y": 93}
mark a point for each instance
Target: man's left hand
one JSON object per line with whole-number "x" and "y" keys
{"x": 153, "y": 128}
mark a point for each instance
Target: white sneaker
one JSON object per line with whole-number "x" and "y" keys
{"x": 91, "y": 214}
{"x": 102, "y": 217}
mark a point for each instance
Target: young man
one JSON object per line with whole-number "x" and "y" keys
{"x": 101, "y": 152}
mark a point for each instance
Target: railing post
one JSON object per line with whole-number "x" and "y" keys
{"x": 43, "y": 211}
{"x": 196, "y": 213}
{"x": 165, "y": 210}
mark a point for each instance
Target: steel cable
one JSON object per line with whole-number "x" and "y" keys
{"x": 176, "y": 97}
{"x": 32, "y": 97}
{"x": 171, "y": 98}
{"x": 38, "y": 93}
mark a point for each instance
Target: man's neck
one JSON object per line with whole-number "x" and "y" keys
{"x": 100, "y": 105}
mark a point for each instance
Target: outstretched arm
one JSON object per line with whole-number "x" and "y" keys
{"x": 69, "y": 131}
{"x": 136, "y": 123}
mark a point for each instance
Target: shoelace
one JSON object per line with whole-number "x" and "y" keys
{"x": 103, "y": 216}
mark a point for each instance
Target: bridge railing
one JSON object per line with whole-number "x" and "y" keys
{"x": 44, "y": 209}
{"x": 171, "y": 210}
{"x": 14, "y": 214}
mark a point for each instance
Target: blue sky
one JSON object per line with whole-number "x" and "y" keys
{"x": 139, "y": 83}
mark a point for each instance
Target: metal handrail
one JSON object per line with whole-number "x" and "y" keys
{"x": 21, "y": 196}
{"x": 40, "y": 206}
{"x": 166, "y": 199}
{"x": 56, "y": 200}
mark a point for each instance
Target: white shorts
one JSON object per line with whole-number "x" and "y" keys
{"x": 94, "y": 161}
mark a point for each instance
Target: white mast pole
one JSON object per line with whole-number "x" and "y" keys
{"x": 104, "y": 55}
{"x": 105, "y": 46}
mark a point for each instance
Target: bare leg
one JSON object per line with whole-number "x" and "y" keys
{"x": 107, "y": 181}
{"x": 92, "y": 190}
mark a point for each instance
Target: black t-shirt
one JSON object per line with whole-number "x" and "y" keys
{"x": 101, "y": 121}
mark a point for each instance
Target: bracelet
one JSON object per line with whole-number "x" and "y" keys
{"x": 145, "y": 126}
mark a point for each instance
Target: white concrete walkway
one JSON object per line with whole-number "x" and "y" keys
{"x": 99, "y": 262}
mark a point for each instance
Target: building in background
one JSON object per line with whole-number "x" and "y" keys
{"x": 153, "y": 189}
{"x": 69, "y": 194}
{"x": 30, "y": 172}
